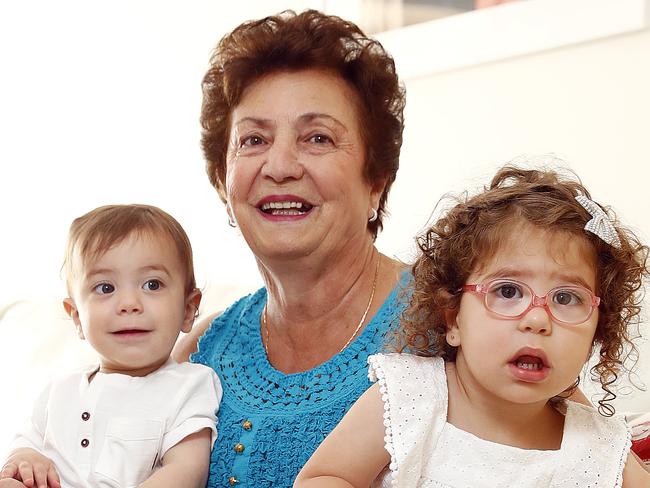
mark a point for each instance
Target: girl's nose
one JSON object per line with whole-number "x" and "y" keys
{"x": 537, "y": 320}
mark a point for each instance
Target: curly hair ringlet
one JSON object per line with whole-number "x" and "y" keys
{"x": 474, "y": 228}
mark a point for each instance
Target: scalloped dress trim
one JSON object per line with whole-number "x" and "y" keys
{"x": 624, "y": 455}
{"x": 376, "y": 373}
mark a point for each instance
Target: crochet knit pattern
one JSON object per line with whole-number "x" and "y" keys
{"x": 269, "y": 423}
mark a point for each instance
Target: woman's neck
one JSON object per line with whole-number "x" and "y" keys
{"x": 471, "y": 408}
{"x": 314, "y": 307}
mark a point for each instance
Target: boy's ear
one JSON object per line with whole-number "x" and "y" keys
{"x": 73, "y": 313}
{"x": 453, "y": 332}
{"x": 192, "y": 303}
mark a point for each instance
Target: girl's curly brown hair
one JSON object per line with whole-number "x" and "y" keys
{"x": 472, "y": 231}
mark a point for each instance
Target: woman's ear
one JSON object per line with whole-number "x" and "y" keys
{"x": 72, "y": 311}
{"x": 376, "y": 192}
{"x": 192, "y": 303}
{"x": 453, "y": 331}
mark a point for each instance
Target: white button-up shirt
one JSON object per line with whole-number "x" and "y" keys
{"x": 114, "y": 430}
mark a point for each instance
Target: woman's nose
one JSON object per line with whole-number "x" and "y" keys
{"x": 283, "y": 161}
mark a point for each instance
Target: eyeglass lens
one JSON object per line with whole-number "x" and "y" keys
{"x": 566, "y": 304}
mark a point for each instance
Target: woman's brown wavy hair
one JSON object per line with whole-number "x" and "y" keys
{"x": 473, "y": 230}
{"x": 294, "y": 42}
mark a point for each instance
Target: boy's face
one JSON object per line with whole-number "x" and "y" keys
{"x": 130, "y": 304}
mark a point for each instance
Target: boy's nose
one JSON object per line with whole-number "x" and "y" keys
{"x": 130, "y": 303}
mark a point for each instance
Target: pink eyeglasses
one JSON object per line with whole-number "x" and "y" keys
{"x": 512, "y": 299}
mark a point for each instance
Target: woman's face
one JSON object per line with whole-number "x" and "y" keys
{"x": 295, "y": 164}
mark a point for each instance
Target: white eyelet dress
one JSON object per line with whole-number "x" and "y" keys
{"x": 426, "y": 451}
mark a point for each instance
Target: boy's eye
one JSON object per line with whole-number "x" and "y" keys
{"x": 104, "y": 288}
{"x": 152, "y": 285}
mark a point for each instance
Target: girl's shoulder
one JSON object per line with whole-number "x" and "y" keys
{"x": 404, "y": 366}
{"x": 413, "y": 390}
{"x": 593, "y": 445}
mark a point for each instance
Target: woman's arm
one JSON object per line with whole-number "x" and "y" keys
{"x": 353, "y": 454}
{"x": 186, "y": 464}
{"x": 187, "y": 344}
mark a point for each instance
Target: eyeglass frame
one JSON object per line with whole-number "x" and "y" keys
{"x": 536, "y": 300}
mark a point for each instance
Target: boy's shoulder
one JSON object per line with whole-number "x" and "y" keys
{"x": 74, "y": 375}
{"x": 185, "y": 375}
{"x": 184, "y": 369}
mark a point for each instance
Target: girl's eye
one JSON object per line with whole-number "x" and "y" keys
{"x": 568, "y": 297}
{"x": 152, "y": 285}
{"x": 507, "y": 290}
{"x": 104, "y": 288}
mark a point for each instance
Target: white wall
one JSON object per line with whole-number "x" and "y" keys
{"x": 587, "y": 103}
{"x": 99, "y": 103}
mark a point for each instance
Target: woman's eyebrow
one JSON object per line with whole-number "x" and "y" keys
{"x": 257, "y": 121}
{"x": 311, "y": 116}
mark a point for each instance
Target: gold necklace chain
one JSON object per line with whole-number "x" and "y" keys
{"x": 356, "y": 330}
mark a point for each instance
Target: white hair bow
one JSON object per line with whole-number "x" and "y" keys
{"x": 600, "y": 223}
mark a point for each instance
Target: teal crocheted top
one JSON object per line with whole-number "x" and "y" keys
{"x": 270, "y": 423}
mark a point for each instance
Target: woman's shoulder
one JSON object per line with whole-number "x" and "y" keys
{"x": 240, "y": 317}
{"x": 216, "y": 324}
{"x": 396, "y": 300}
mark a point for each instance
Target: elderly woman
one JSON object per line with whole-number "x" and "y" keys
{"x": 302, "y": 127}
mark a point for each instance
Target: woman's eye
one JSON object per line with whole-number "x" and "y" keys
{"x": 152, "y": 285}
{"x": 104, "y": 288}
{"x": 567, "y": 297}
{"x": 251, "y": 141}
{"x": 320, "y": 139}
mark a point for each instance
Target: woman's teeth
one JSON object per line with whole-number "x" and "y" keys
{"x": 285, "y": 208}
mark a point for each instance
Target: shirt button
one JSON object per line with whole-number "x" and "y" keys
{"x": 247, "y": 425}
{"x": 85, "y": 416}
{"x": 85, "y": 442}
{"x": 239, "y": 448}
{"x": 232, "y": 481}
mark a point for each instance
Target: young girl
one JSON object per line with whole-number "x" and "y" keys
{"x": 137, "y": 418}
{"x": 516, "y": 287}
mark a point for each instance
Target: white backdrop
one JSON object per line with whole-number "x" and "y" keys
{"x": 99, "y": 103}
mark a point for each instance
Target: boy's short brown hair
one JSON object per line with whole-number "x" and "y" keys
{"x": 95, "y": 232}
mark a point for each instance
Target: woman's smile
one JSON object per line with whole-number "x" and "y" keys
{"x": 278, "y": 207}
{"x": 298, "y": 158}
